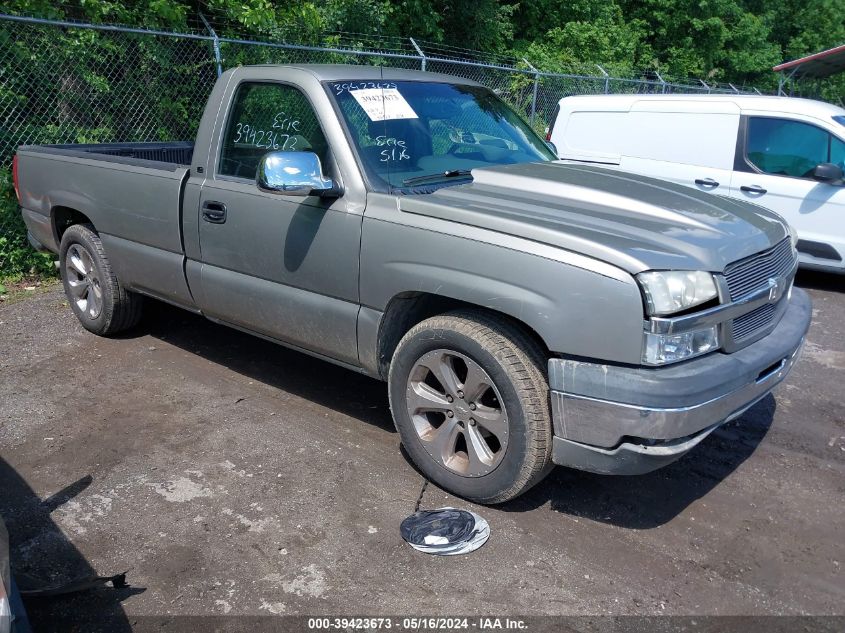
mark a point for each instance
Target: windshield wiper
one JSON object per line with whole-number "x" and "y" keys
{"x": 449, "y": 173}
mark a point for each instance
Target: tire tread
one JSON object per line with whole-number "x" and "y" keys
{"x": 524, "y": 362}
{"x": 125, "y": 308}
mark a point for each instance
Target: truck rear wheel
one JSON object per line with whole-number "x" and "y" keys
{"x": 96, "y": 296}
{"x": 471, "y": 403}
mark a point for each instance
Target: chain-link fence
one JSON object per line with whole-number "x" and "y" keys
{"x": 65, "y": 82}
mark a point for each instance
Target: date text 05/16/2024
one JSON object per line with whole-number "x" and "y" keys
{"x": 418, "y": 623}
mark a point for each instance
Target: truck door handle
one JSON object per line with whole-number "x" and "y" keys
{"x": 753, "y": 189}
{"x": 214, "y": 212}
{"x": 706, "y": 182}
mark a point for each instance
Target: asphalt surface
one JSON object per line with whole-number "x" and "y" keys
{"x": 232, "y": 476}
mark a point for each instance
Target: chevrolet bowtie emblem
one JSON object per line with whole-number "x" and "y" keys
{"x": 774, "y": 288}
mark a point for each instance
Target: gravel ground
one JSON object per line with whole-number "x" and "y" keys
{"x": 232, "y": 476}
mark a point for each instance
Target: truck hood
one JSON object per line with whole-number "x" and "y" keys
{"x": 633, "y": 222}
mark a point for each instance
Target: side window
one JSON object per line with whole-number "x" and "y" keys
{"x": 267, "y": 118}
{"x": 786, "y": 148}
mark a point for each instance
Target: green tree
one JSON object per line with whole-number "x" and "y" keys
{"x": 596, "y": 34}
{"x": 484, "y": 25}
{"x": 802, "y": 28}
{"x": 717, "y": 39}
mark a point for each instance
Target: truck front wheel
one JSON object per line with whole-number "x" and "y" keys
{"x": 97, "y": 298}
{"x": 470, "y": 400}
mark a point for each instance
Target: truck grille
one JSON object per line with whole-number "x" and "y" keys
{"x": 751, "y": 323}
{"x": 749, "y": 274}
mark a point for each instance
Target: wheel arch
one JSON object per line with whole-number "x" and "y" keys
{"x": 63, "y": 217}
{"x": 407, "y": 309}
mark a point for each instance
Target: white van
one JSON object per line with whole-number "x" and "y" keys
{"x": 783, "y": 153}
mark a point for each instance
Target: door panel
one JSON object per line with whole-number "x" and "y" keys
{"x": 686, "y": 147}
{"x": 283, "y": 266}
{"x": 287, "y": 248}
{"x": 322, "y": 324}
{"x": 816, "y": 210}
{"x": 703, "y": 178}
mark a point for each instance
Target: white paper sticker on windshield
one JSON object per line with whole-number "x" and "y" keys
{"x": 383, "y": 104}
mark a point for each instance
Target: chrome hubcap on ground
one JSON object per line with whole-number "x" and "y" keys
{"x": 83, "y": 282}
{"x": 457, "y": 413}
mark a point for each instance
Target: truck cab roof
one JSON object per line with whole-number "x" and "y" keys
{"x": 344, "y": 72}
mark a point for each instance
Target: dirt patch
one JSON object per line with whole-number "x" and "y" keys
{"x": 232, "y": 476}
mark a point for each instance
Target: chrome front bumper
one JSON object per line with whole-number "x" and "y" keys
{"x": 632, "y": 420}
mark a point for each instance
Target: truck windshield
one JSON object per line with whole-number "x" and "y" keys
{"x": 415, "y": 136}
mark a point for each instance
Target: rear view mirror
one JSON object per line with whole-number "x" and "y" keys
{"x": 294, "y": 174}
{"x": 829, "y": 173}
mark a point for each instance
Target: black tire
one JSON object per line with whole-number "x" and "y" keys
{"x": 119, "y": 309}
{"x": 516, "y": 365}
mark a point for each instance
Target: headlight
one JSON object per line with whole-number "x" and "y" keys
{"x": 661, "y": 349}
{"x": 672, "y": 291}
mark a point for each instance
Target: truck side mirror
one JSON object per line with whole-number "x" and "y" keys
{"x": 294, "y": 174}
{"x": 829, "y": 173}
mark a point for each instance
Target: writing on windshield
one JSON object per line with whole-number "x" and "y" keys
{"x": 412, "y": 131}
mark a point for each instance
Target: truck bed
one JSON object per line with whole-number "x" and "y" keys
{"x": 161, "y": 155}
{"x": 132, "y": 193}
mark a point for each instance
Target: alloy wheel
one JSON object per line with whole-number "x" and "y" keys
{"x": 83, "y": 282}
{"x": 457, "y": 412}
